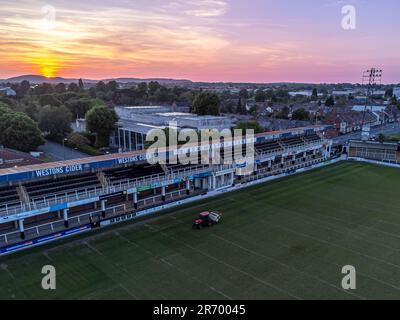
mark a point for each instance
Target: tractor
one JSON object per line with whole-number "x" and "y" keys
{"x": 207, "y": 219}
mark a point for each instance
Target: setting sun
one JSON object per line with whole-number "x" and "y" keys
{"x": 48, "y": 66}
{"x": 47, "y": 71}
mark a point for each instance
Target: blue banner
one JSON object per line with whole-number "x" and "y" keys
{"x": 43, "y": 239}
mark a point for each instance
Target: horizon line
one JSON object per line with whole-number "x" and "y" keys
{"x": 183, "y": 79}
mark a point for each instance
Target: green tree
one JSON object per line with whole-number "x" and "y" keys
{"x": 153, "y": 87}
{"x": 19, "y": 132}
{"x": 79, "y": 106}
{"x": 314, "y": 95}
{"x": 80, "y": 84}
{"x": 77, "y": 140}
{"x": 112, "y": 86}
{"x": 244, "y": 94}
{"x": 324, "y": 90}
{"x": 60, "y": 88}
{"x": 283, "y": 114}
{"x": 330, "y": 102}
{"x": 73, "y": 87}
{"x": 300, "y": 114}
{"x": 31, "y": 109}
{"x": 141, "y": 90}
{"x": 49, "y": 99}
{"x": 56, "y": 121}
{"x": 164, "y": 95}
{"x": 101, "y": 121}
{"x": 381, "y": 137}
{"x": 389, "y": 93}
{"x": 282, "y": 94}
{"x": 4, "y": 109}
{"x": 241, "y": 106}
{"x": 206, "y": 103}
{"x": 393, "y": 100}
{"x": 260, "y": 96}
{"x": 23, "y": 89}
{"x": 44, "y": 88}
{"x": 341, "y": 101}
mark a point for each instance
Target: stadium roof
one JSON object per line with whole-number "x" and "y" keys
{"x": 376, "y": 143}
{"x": 94, "y": 163}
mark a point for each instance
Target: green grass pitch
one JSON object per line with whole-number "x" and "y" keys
{"x": 286, "y": 239}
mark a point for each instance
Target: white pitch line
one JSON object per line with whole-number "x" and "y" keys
{"x": 46, "y": 254}
{"x": 336, "y": 245}
{"x": 4, "y": 267}
{"x": 337, "y": 265}
{"x": 119, "y": 283}
{"x": 238, "y": 270}
{"x": 387, "y": 222}
{"x": 127, "y": 290}
{"x": 93, "y": 248}
{"x": 156, "y": 258}
{"x": 287, "y": 266}
{"x": 196, "y": 279}
{"x": 367, "y": 227}
{"x": 351, "y": 234}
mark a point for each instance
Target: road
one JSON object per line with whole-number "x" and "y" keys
{"x": 56, "y": 152}
{"x": 390, "y": 128}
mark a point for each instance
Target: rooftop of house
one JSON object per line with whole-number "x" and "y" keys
{"x": 11, "y": 158}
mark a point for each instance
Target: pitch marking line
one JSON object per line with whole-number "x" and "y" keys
{"x": 4, "y": 267}
{"x": 336, "y": 245}
{"x": 127, "y": 290}
{"x": 94, "y": 295}
{"x": 286, "y": 266}
{"x": 163, "y": 260}
{"x": 367, "y": 227}
{"x": 196, "y": 279}
{"x": 351, "y": 234}
{"x": 93, "y": 249}
{"x": 237, "y": 269}
{"x": 339, "y": 266}
{"x": 115, "y": 265}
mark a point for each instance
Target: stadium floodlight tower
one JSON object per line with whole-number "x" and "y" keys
{"x": 371, "y": 78}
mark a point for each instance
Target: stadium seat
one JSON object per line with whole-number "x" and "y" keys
{"x": 267, "y": 147}
{"x": 312, "y": 137}
{"x": 8, "y": 196}
{"x": 132, "y": 172}
{"x": 61, "y": 186}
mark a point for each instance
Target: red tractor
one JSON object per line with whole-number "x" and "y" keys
{"x": 207, "y": 219}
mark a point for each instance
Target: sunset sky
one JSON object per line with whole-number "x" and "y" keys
{"x": 201, "y": 40}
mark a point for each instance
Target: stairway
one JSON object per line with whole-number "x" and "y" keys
{"x": 23, "y": 194}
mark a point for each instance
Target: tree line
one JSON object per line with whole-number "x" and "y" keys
{"x": 47, "y": 110}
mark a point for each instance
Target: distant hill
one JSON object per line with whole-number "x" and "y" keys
{"x": 169, "y": 82}
{"x": 42, "y": 79}
{"x": 159, "y": 80}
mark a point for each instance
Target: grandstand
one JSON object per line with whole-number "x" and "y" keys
{"x": 37, "y": 190}
{"x": 118, "y": 175}
{"x": 53, "y": 200}
{"x": 268, "y": 147}
{"x": 375, "y": 150}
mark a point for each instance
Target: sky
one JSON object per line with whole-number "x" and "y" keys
{"x": 201, "y": 40}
